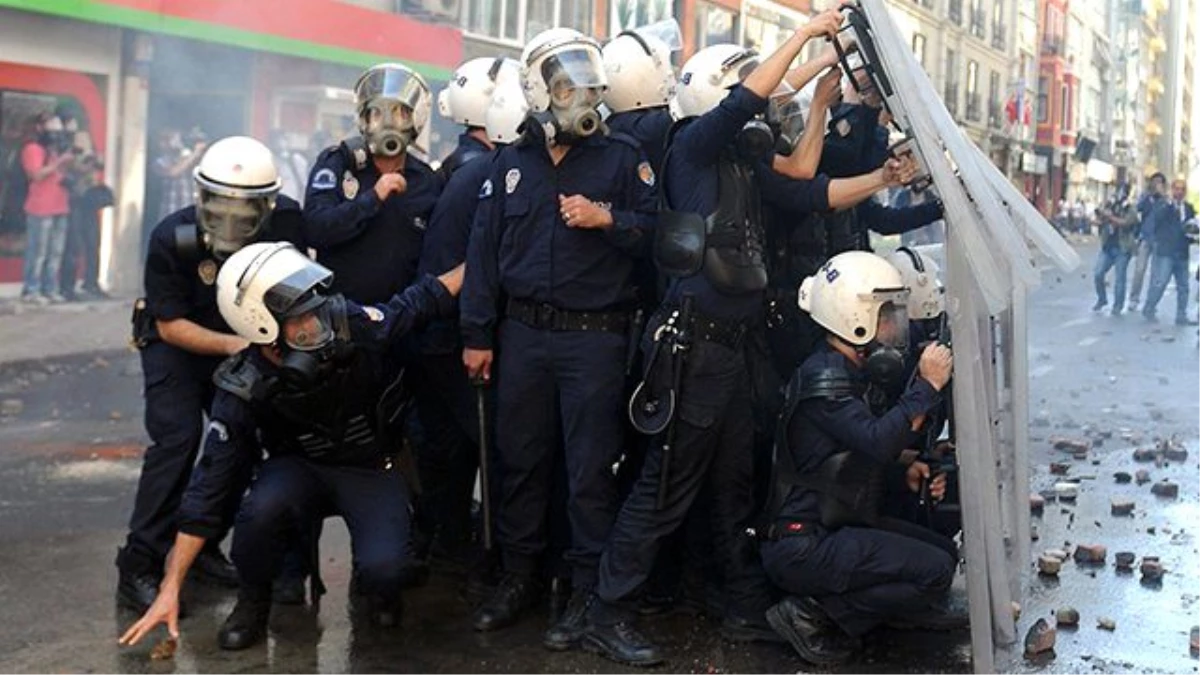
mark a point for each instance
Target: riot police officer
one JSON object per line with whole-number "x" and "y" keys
{"x": 182, "y": 338}
{"x": 849, "y": 567}
{"x": 446, "y": 405}
{"x": 561, "y": 218}
{"x": 465, "y": 101}
{"x": 637, "y": 66}
{"x": 318, "y": 390}
{"x": 369, "y": 199}
{"x": 716, "y": 173}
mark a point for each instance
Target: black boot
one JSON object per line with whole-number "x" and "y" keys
{"x": 212, "y": 567}
{"x": 288, "y": 589}
{"x": 567, "y": 631}
{"x": 805, "y": 626}
{"x": 137, "y": 591}
{"x": 621, "y": 642}
{"x": 739, "y": 628}
{"x": 247, "y": 624}
{"x": 515, "y": 594}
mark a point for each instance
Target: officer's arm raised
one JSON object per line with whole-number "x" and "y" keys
{"x": 802, "y": 163}
{"x": 766, "y": 77}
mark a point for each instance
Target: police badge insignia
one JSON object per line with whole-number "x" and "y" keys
{"x": 485, "y": 190}
{"x": 511, "y": 180}
{"x": 323, "y": 180}
{"x": 208, "y": 272}
{"x": 646, "y": 174}
{"x": 349, "y": 185}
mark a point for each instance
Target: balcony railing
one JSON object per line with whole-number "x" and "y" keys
{"x": 973, "y": 107}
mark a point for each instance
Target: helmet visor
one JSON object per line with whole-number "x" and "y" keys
{"x": 892, "y": 329}
{"x": 298, "y": 292}
{"x": 575, "y": 69}
{"x": 309, "y": 330}
{"x": 229, "y": 223}
{"x": 393, "y": 83}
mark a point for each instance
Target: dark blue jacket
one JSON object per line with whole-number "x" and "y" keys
{"x": 371, "y": 247}
{"x": 468, "y": 148}
{"x": 446, "y": 243}
{"x": 649, "y": 127}
{"x": 1167, "y": 226}
{"x": 855, "y": 143}
{"x": 821, "y": 428}
{"x": 691, "y": 185}
{"x": 175, "y": 287}
{"x": 521, "y": 248}
{"x": 232, "y": 447}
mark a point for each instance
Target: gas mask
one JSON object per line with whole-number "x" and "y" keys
{"x": 774, "y": 131}
{"x": 574, "y": 78}
{"x": 227, "y": 223}
{"x": 884, "y": 357}
{"x": 387, "y": 98}
{"x": 314, "y": 338}
{"x": 388, "y": 127}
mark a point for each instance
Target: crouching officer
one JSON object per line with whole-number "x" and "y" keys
{"x": 319, "y": 391}
{"x": 182, "y": 338}
{"x": 849, "y": 568}
{"x": 369, "y": 199}
{"x": 560, "y": 220}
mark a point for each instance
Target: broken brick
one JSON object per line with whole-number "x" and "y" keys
{"x": 1166, "y": 489}
{"x": 1090, "y": 553}
{"x": 1040, "y": 638}
{"x": 1122, "y": 507}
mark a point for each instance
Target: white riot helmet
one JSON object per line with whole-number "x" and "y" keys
{"x": 236, "y": 186}
{"x": 708, "y": 76}
{"x": 562, "y": 73}
{"x": 853, "y": 294}
{"x": 466, "y": 97}
{"x": 927, "y": 297}
{"x": 638, "y": 70}
{"x": 264, "y": 283}
{"x": 393, "y": 106}
{"x": 508, "y": 107}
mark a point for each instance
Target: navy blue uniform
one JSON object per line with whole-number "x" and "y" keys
{"x": 649, "y": 127}
{"x": 561, "y": 336}
{"x": 446, "y": 404}
{"x": 178, "y": 384}
{"x": 714, "y": 426}
{"x": 341, "y": 463}
{"x": 468, "y": 149}
{"x": 371, "y": 247}
{"x": 855, "y": 144}
{"x": 861, "y": 576}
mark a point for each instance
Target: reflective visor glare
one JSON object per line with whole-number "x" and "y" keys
{"x": 391, "y": 83}
{"x": 893, "y": 325}
{"x": 309, "y": 331}
{"x": 284, "y": 295}
{"x": 573, "y": 68}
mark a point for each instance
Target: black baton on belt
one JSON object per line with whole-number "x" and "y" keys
{"x": 681, "y": 342}
{"x": 484, "y": 489}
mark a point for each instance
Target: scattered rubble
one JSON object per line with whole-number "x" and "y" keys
{"x": 1165, "y": 488}
{"x": 1037, "y": 504}
{"x": 1194, "y": 639}
{"x": 1122, "y": 477}
{"x": 1070, "y": 444}
{"x": 1090, "y": 553}
{"x": 1142, "y": 476}
{"x": 1066, "y": 492}
{"x": 1049, "y": 565}
{"x": 1122, "y": 507}
{"x": 1124, "y": 560}
{"x": 1059, "y": 468}
{"x": 1066, "y": 616}
{"x": 1145, "y": 455}
{"x": 10, "y": 407}
{"x": 1105, "y": 623}
{"x": 1152, "y": 569}
{"x": 1040, "y": 638}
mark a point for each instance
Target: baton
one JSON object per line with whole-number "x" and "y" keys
{"x": 484, "y": 491}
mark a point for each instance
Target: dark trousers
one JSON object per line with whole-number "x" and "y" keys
{"x": 178, "y": 391}
{"x": 83, "y": 241}
{"x": 713, "y": 446}
{"x": 290, "y": 492}
{"x": 448, "y": 456}
{"x": 863, "y": 577}
{"x": 549, "y": 381}
{"x": 1162, "y": 270}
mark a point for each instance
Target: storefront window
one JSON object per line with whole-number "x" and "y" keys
{"x": 714, "y": 25}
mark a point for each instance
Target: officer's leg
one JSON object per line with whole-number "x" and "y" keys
{"x": 282, "y": 500}
{"x": 1179, "y": 270}
{"x": 1104, "y": 261}
{"x": 1121, "y": 272}
{"x": 1139, "y": 273}
{"x": 374, "y": 503}
{"x": 525, "y": 416}
{"x": 1160, "y": 276}
{"x": 175, "y": 402}
{"x": 732, "y": 485}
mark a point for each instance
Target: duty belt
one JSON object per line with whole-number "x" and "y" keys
{"x": 725, "y": 332}
{"x": 544, "y": 316}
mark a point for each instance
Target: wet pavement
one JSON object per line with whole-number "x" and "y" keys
{"x": 69, "y": 457}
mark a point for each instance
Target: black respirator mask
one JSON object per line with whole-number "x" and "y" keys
{"x": 315, "y": 340}
{"x": 388, "y": 127}
{"x": 775, "y": 131}
{"x": 574, "y": 78}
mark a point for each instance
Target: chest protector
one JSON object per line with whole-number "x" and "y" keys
{"x": 344, "y": 420}
{"x": 849, "y": 485}
{"x": 727, "y": 246}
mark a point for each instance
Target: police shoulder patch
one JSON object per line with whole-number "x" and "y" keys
{"x": 646, "y": 173}
{"x": 485, "y": 190}
{"x": 511, "y": 180}
{"x": 373, "y": 313}
{"x": 324, "y": 180}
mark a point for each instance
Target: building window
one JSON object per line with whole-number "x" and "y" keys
{"x": 1065, "y": 108}
{"x": 483, "y": 17}
{"x": 766, "y": 29}
{"x": 1043, "y": 101}
{"x": 502, "y": 19}
{"x": 972, "y": 91}
{"x": 629, "y": 14}
{"x": 714, "y": 25}
{"x": 575, "y": 14}
{"x": 994, "y": 109}
{"x": 977, "y": 26}
{"x": 954, "y": 11}
{"x": 918, "y": 47}
{"x": 951, "y": 91}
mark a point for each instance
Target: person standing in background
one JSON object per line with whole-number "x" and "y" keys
{"x": 46, "y": 209}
